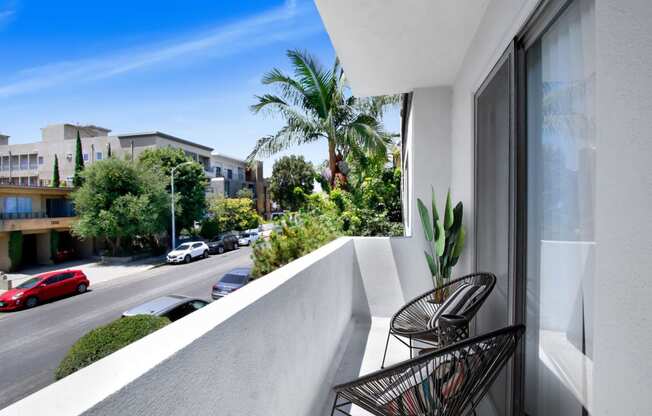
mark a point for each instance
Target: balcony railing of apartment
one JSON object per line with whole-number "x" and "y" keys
{"x": 33, "y": 215}
{"x": 276, "y": 346}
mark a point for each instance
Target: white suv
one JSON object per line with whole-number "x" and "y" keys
{"x": 187, "y": 251}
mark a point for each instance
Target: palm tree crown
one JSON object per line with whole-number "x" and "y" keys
{"x": 316, "y": 105}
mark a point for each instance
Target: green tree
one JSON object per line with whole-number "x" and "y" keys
{"x": 56, "y": 182}
{"x": 245, "y": 193}
{"x": 317, "y": 105}
{"x": 121, "y": 201}
{"x": 288, "y": 174}
{"x": 228, "y": 214}
{"x": 189, "y": 183}
{"x": 77, "y": 179}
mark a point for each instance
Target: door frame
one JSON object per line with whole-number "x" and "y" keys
{"x": 510, "y": 57}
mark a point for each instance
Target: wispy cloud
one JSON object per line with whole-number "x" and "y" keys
{"x": 272, "y": 26}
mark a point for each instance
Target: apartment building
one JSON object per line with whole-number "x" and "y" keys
{"x": 33, "y": 214}
{"x": 31, "y": 164}
{"x": 230, "y": 174}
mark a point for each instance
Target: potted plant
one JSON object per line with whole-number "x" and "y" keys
{"x": 445, "y": 239}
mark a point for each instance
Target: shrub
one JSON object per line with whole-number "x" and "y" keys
{"x": 16, "y": 249}
{"x": 54, "y": 244}
{"x": 299, "y": 235}
{"x": 107, "y": 339}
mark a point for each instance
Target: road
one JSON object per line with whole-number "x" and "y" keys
{"x": 34, "y": 341}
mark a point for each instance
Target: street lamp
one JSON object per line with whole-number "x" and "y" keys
{"x": 174, "y": 241}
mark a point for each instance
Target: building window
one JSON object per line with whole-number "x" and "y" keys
{"x": 229, "y": 173}
{"x": 23, "y": 162}
{"x": 40, "y": 160}
{"x": 218, "y": 171}
{"x": 17, "y": 204}
{"x": 240, "y": 174}
{"x": 561, "y": 251}
{"x": 227, "y": 188}
{"x": 98, "y": 155}
{"x": 85, "y": 157}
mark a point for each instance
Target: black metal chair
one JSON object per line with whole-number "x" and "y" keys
{"x": 446, "y": 382}
{"x": 419, "y": 319}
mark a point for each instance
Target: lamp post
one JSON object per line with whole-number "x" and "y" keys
{"x": 174, "y": 241}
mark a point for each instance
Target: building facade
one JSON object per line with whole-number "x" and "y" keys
{"x": 31, "y": 164}
{"x": 38, "y": 219}
{"x": 229, "y": 175}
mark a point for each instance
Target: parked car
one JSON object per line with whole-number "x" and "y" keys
{"x": 44, "y": 287}
{"x": 223, "y": 242}
{"x": 173, "y": 307}
{"x": 187, "y": 251}
{"x": 253, "y": 234}
{"x": 267, "y": 229}
{"x": 231, "y": 282}
{"x": 243, "y": 239}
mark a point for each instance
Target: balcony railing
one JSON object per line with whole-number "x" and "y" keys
{"x": 33, "y": 215}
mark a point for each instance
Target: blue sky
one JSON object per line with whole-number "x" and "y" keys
{"x": 189, "y": 68}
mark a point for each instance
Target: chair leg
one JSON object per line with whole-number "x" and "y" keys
{"x": 386, "y": 345}
{"x": 337, "y": 407}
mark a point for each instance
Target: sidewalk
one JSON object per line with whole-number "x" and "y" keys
{"x": 95, "y": 271}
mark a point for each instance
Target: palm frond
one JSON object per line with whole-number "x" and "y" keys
{"x": 291, "y": 89}
{"x": 315, "y": 81}
{"x": 267, "y": 100}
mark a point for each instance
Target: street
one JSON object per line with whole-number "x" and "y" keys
{"x": 34, "y": 341}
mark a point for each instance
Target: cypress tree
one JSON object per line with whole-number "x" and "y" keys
{"x": 79, "y": 163}
{"x": 108, "y": 150}
{"x": 55, "y": 173}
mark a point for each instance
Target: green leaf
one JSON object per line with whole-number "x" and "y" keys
{"x": 459, "y": 243}
{"x": 440, "y": 242}
{"x": 431, "y": 263}
{"x": 435, "y": 214}
{"x": 457, "y": 216}
{"x": 448, "y": 212}
{"x": 425, "y": 219}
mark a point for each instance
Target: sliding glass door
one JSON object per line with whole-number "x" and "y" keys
{"x": 494, "y": 178}
{"x": 561, "y": 148}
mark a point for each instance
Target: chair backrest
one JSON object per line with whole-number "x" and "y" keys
{"x": 449, "y": 381}
{"x": 483, "y": 280}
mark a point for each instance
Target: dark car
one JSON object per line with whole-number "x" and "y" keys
{"x": 173, "y": 307}
{"x": 222, "y": 243}
{"x": 231, "y": 282}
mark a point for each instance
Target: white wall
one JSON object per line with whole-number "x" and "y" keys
{"x": 267, "y": 349}
{"x": 623, "y": 283}
{"x": 429, "y": 141}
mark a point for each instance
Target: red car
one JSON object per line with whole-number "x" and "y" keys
{"x": 44, "y": 287}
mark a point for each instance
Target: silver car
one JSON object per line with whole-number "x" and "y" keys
{"x": 173, "y": 307}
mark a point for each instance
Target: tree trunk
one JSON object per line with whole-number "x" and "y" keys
{"x": 331, "y": 161}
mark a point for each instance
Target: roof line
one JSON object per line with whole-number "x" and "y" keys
{"x": 166, "y": 136}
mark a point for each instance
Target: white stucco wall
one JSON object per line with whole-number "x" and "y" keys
{"x": 270, "y": 348}
{"x": 623, "y": 287}
{"x": 429, "y": 140}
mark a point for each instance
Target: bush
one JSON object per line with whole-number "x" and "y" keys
{"x": 299, "y": 236}
{"x": 15, "y": 249}
{"x": 107, "y": 339}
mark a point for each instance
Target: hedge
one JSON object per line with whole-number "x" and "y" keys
{"x": 15, "y": 249}
{"x": 54, "y": 244}
{"x": 107, "y": 339}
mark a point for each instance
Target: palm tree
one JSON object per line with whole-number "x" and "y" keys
{"x": 315, "y": 105}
